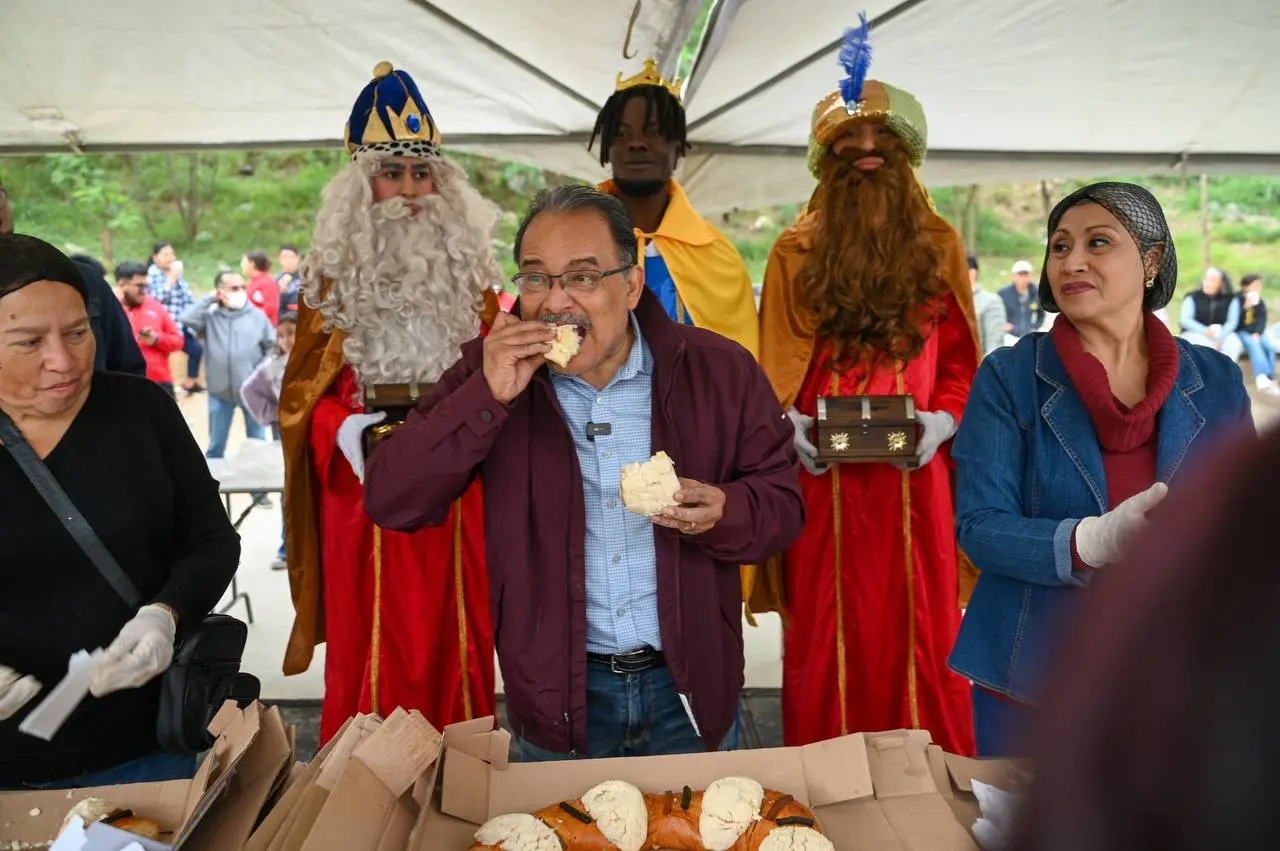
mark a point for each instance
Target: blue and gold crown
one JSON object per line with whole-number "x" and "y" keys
{"x": 390, "y": 109}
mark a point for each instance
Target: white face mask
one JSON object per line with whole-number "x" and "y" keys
{"x": 237, "y": 300}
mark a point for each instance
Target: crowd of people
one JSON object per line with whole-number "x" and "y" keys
{"x": 1215, "y": 316}
{"x": 451, "y": 491}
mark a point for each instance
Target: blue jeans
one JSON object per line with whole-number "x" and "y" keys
{"x": 633, "y": 715}
{"x": 194, "y": 350}
{"x": 280, "y": 553}
{"x": 1262, "y": 354}
{"x": 221, "y": 412}
{"x": 146, "y": 769}
{"x": 1000, "y": 725}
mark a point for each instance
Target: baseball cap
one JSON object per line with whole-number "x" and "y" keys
{"x": 1022, "y": 266}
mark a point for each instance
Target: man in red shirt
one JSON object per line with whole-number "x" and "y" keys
{"x": 262, "y": 289}
{"x": 157, "y": 334}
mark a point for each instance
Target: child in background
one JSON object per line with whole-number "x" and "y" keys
{"x": 261, "y": 396}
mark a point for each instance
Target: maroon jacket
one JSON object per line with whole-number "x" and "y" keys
{"x": 714, "y": 414}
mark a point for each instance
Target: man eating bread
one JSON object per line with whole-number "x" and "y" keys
{"x": 617, "y": 626}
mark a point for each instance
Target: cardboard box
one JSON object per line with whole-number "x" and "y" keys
{"x": 870, "y": 791}
{"x": 363, "y": 792}
{"x": 214, "y": 810}
{"x": 954, "y": 776}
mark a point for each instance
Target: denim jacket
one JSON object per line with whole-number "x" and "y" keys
{"x": 1028, "y": 467}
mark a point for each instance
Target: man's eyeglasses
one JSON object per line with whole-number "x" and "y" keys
{"x": 575, "y": 280}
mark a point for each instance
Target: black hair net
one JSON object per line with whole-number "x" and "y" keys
{"x": 1141, "y": 214}
{"x": 25, "y": 260}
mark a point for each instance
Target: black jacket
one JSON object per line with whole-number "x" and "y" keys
{"x": 117, "y": 348}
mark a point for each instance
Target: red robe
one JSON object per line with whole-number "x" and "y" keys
{"x": 871, "y": 581}
{"x": 427, "y": 657}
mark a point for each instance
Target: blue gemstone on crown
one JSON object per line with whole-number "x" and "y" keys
{"x": 414, "y": 123}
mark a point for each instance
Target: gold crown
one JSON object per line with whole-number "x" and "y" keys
{"x": 650, "y": 77}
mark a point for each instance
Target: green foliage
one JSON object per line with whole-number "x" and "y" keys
{"x": 689, "y": 52}
{"x": 1264, "y": 233}
{"x": 215, "y": 206}
{"x": 1230, "y": 193}
{"x": 89, "y": 184}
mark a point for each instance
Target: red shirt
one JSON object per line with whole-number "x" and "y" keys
{"x": 264, "y": 294}
{"x": 152, "y": 314}
{"x": 1126, "y": 436}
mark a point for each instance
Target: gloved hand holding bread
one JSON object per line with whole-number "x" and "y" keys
{"x": 733, "y": 814}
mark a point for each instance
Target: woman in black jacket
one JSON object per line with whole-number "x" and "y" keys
{"x": 123, "y": 454}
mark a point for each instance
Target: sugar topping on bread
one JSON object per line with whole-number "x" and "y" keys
{"x": 729, "y": 806}
{"x": 518, "y": 832}
{"x": 792, "y": 838}
{"x": 619, "y": 810}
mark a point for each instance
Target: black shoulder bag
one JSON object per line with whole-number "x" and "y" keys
{"x": 206, "y": 659}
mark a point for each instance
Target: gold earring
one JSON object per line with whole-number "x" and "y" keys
{"x": 1151, "y": 283}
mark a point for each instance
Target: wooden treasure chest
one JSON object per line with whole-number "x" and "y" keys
{"x": 397, "y": 400}
{"x": 866, "y": 430}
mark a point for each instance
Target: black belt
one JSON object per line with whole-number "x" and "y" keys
{"x": 631, "y": 662}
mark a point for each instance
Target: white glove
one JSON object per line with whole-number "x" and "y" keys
{"x": 351, "y": 439}
{"x": 141, "y": 652}
{"x": 804, "y": 448}
{"x": 1101, "y": 540}
{"x": 16, "y": 691}
{"x": 937, "y": 429}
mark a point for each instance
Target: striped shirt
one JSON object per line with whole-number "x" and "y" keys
{"x": 622, "y": 578}
{"x": 176, "y": 299}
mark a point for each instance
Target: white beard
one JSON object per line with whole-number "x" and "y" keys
{"x": 406, "y": 292}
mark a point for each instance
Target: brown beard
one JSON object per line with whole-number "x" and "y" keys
{"x": 874, "y": 275}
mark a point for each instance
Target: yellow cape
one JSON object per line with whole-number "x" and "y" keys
{"x": 711, "y": 280}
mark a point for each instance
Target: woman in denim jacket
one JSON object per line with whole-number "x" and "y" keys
{"x": 1070, "y": 437}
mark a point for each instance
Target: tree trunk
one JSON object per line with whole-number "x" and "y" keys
{"x": 1206, "y": 231}
{"x": 1046, "y": 199}
{"x": 140, "y": 196}
{"x": 967, "y": 218}
{"x": 108, "y": 258}
{"x": 971, "y": 215}
{"x": 192, "y": 220}
{"x": 957, "y": 211}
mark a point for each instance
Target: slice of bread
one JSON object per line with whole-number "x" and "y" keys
{"x": 649, "y": 486}
{"x": 566, "y": 345}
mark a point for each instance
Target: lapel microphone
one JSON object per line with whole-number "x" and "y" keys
{"x": 598, "y": 429}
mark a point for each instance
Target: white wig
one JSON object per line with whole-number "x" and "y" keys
{"x": 407, "y": 292}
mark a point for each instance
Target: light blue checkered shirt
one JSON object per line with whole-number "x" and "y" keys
{"x": 622, "y": 575}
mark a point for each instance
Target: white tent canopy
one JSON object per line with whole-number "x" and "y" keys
{"x": 1013, "y": 89}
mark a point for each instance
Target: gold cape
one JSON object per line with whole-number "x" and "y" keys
{"x": 313, "y": 366}
{"x": 788, "y": 337}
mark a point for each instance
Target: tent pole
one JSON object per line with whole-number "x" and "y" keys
{"x": 1206, "y": 230}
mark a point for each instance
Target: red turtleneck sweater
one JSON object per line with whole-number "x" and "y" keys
{"x": 1127, "y": 436}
